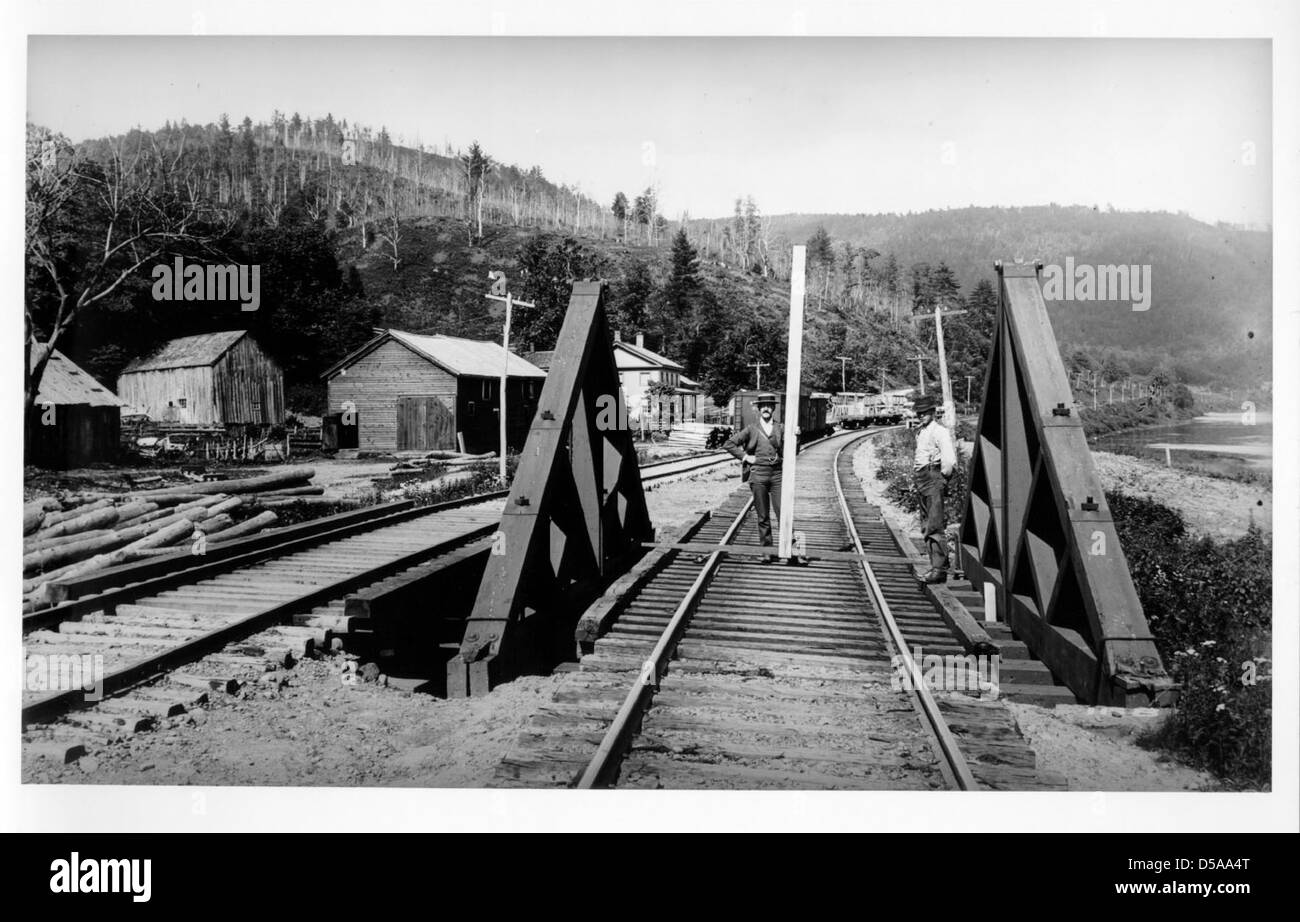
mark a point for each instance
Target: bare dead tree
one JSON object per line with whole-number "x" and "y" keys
{"x": 389, "y": 227}
{"x": 139, "y": 205}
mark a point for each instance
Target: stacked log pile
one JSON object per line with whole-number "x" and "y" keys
{"x": 80, "y": 533}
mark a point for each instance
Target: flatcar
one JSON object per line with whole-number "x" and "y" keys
{"x": 857, "y": 410}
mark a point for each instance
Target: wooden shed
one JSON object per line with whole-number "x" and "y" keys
{"x": 214, "y": 378}
{"x": 406, "y": 391}
{"x": 75, "y": 421}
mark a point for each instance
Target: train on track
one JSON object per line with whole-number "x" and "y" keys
{"x": 858, "y": 410}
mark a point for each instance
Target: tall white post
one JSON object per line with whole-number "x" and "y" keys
{"x": 505, "y": 377}
{"x": 792, "y": 376}
{"x": 949, "y": 411}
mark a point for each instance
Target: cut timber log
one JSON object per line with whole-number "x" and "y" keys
{"x": 281, "y": 479}
{"x": 247, "y": 527}
{"x": 294, "y": 491}
{"x": 257, "y": 502}
{"x": 165, "y": 535}
{"x": 100, "y": 518}
{"x": 54, "y": 518}
{"x": 216, "y": 523}
{"x": 174, "y": 510}
{"x": 32, "y": 545}
{"x": 32, "y": 520}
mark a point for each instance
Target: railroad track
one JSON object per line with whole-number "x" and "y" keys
{"x": 718, "y": 671}
{"x": 274, "y": 597}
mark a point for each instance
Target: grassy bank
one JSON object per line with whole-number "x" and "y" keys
{"x": 1209, "y": 605}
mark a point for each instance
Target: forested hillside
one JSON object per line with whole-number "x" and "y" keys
{"x": 353, "y": 230}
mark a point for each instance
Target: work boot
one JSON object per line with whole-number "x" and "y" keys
{"x": 935, "y": 576}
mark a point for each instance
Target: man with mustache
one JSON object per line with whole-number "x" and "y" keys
{"x": 759, "y": 446}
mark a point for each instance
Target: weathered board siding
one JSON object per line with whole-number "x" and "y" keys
{"x": 174, "y": 395}
{"x": 243, "y": 386}
{"x": 374, "y": 382}
{"x": 248, "y": 386}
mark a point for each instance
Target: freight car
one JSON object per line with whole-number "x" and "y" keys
{"x": 814, "y": 412}
{"x": 858, "y": 410}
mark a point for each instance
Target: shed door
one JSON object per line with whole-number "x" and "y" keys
{"x": 424, "y": 423}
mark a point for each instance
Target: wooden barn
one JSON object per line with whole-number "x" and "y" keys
{"x": 406, "y": 391}
{"x": 76, "y": 420}
{"x": 213, "y": 379}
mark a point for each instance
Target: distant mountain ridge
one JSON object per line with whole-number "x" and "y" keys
{"x": 1212, "y": 284}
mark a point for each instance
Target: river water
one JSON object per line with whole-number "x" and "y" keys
{"x": 1220, "y": 442}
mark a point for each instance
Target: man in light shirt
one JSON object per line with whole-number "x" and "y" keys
{"x": 934, "y": 464}
{"x": 759, "y": 446}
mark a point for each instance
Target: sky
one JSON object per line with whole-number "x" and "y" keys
{"x": 811, "y": 125}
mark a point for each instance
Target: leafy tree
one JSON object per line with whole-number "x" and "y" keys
{"x": 548, "y": 270}
{"x": 726, "y": 367}
{"x": 631, "y": 298}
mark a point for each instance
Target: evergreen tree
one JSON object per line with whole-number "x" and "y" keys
{"x": 619, "y": 210}
{"x": 681, "y": 297}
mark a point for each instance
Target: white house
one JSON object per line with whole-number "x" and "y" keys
{"x": 638, "y": 370}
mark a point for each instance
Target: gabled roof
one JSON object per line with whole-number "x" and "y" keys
{"x": 188, "y": 352}
{"x": 450, "y": 353}
{"x": 628, "y": 356}
{"x": 64, "y": 384}
{"x": 543, "y": 359}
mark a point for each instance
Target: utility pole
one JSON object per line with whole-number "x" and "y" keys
{"x": 949, "y": 412}
{"x": 499, "y": 292}
{"x": 920, "y": 372}
{"x": 758, "y": 373}
{"x": 844, "y": 360}
{"x": 968, "y": 377}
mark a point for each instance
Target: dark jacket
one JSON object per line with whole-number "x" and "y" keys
{"x": 746, "y": 442}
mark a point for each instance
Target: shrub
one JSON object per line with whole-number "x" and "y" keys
{"x": 894, "y": 464}
{"x": 1209, "y": 605}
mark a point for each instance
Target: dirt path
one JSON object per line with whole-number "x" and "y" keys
{"x": 305, "y": 726}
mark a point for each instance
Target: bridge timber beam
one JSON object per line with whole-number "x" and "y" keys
{"x": 1036, "y": 525}
{"x": 576, "y": 515}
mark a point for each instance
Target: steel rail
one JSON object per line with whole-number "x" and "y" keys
{"x": 604, "y": 763}
{"x": 948, "y": 746}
